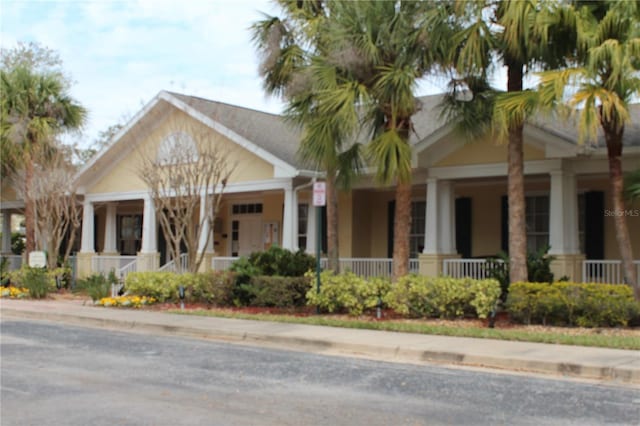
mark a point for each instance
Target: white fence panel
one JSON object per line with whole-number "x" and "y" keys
{"x": 104, "y": 264}
{"x": 470, "y": 268}
{"x": 605, "y": 271}
{"x": 222, "y": 263}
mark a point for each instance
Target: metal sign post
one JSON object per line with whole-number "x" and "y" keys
{"x": 319, "y": 200}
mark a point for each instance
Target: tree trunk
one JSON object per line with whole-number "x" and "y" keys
{"x": 29, "y": 208}
{"x": 401, "y": 229}
{"x": 614, "y": 149}
{"x": 515, "y": 191}
{"x": 333, "y": 252}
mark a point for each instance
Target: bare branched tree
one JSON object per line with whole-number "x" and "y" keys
{"x": 56, "y": 206}
{"x": 188, "y": 168}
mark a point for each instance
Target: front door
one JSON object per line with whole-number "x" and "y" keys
{"x": 247, "y": 236}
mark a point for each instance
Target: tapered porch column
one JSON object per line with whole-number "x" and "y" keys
{"x": 563, "y": 226}
{"x": 87, "y": 243}
{"x": 110, "y": 231}
{"x": 311, "y": 229}
{"x": 6, "y": 232}
{"x": 288, "y": 225}
{"x": 203, "y": 245}
{"x": 439, "y": 235}
{"x": 148, "y": 257}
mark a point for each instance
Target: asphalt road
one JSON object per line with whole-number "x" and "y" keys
{"x": 54, "y": 374}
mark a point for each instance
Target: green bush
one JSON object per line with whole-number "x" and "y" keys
{"x": 347, "y": 292}
{"x": 162, "y": 286}
{"x": 280, "y": 292}
{"x": 97, "y": 286}
{"x": 37, "y": 280}
{"x": 573, "y": 304}
{"x": 213, "y": 288}
{"x": 275, "y": 261}
{"x": 421, "y": 296}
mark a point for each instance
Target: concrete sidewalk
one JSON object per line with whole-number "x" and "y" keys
{"x": 622, "y": 366}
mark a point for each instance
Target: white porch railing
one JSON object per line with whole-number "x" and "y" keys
{"x": 365, "y": 267}
{"x": 470, "y": 268}
{"x": 104, "y": 264}
{"x": 605, "y": 271}
{"x": 14, "y": 261}
{"x": 222, "y": 263}
{"x": 171, "y": 265}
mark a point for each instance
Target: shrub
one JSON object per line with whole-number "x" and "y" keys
{"x": 280, "y": 292}
{"x": 97, "y": 286}
{"x": 347, "y": 292}
{"x": 36, "y": 280}
{"x": 162, "y": 286}
{"x": 421, "y": 296}
{"x": 566, "y": 303}
{"x": 275, "y": 261}
{"x": 215, "y": 287}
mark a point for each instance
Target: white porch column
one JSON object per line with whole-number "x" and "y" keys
{"x": 87, "y": 245}
{"x": 110, "y": 230}
{"x": 563, "y": 226}
{"x": 431, "y": 218}
{"x": 563, "y": 214}
{"x": 149, "y": 225}
{"x": 203, "y": 246}
{"x": 6, "y": 231}
{"x": 440, "y": 233}
{"x": 288, "y": 225}
{"x": 311, "y": 229}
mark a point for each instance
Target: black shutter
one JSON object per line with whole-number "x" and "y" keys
{"x": 324, "y": 229}
{"x": 594, "y": 225}
{"x": 95, "y": 233}
{"x": 505, "y": 224}
{"x": 463, "y": 227}
{"x": 391, "y": 215}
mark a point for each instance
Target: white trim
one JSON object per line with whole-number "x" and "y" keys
{"x": 281, "y": 168}
{"x": 7, "y": 205}
{"x": 493, "y": 169}
{"x": 232, "y": 188}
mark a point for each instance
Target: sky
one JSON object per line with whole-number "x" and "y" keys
{"x": 121, "y": 53}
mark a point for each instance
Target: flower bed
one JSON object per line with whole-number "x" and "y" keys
{"x": 15, "y": 292}
{"x": 126, "y": 301}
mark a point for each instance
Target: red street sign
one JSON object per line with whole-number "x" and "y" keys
{"x": 319, "y": 194}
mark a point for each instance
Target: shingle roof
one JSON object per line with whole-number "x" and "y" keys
{"x": 273, "y": 134}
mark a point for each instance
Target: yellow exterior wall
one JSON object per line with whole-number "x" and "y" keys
{"x": 486, "y": 216}
{"x": 123, "y": 176}
{"x": 360, "y": 224}
{"x": 484, "y": 151}
{"x": 7, "y": 192}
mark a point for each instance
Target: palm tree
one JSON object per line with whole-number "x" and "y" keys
{"x": 288, "y": 46}
{"x": 598, "y": 90}
{"x": 522, "y": 36}
{"x": 35, "y": 107}
{"x": 376, "y": 53}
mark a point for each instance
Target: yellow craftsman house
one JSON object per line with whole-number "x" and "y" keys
{"x": 459, "y": 214}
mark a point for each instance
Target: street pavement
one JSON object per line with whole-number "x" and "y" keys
{"x": 610, "y": 365}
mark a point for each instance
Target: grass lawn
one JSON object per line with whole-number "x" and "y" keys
{"x": 606, "y": 338}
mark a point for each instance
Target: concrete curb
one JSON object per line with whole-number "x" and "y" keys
{"x": 623, "y": 368}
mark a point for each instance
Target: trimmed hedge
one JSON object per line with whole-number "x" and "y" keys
{"x": 281, "y": 292}
{"x": 210, "y": 287}
{"x": 347, "y": 292}
{"x": 421, "y": 296}
{"x": 573, "y": 304}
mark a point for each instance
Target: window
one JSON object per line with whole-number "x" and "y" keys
{"x": 537, "y": 222}
{"x": 129, "y": 234}
{"x": 178, "y": 147}
{"x": 416, "y": 234}
{"x": 303, "y": 211}
{"x": 255, "y": 208}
